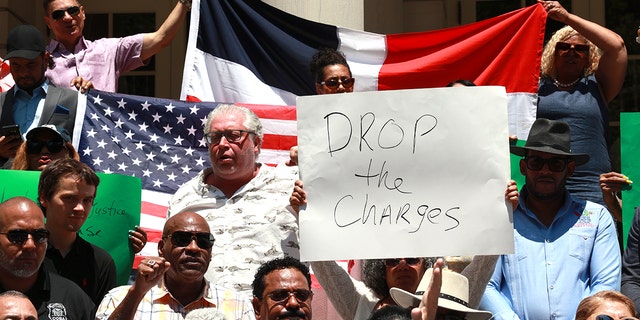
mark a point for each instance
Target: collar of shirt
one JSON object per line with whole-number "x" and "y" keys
{"x": 41, "y": 91}
{"x": 165, "y": 297}
{"x": 55, "y": 45}
{"x": 571, "y": 205}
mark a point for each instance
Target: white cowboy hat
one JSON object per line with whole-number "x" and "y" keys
{"x": 454, "y": 294}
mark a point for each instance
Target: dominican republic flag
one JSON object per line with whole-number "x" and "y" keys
{"x": 247, "y": 51}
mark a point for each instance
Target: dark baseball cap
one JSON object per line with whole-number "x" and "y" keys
{"x": 25, "y": 41}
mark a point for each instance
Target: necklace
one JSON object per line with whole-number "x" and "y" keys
{"x": 564, "y": 85}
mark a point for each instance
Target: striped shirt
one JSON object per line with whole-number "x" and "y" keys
{"x": 159, "y": 304}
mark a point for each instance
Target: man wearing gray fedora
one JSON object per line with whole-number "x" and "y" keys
{"x": 565, "y": 248}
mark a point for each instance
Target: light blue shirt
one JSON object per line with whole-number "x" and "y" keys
{"x": 25, "y": 105}
{"x": 554, "y": 268}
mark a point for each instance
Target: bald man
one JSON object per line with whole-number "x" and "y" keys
{"x": 15, "y": 305}
{"x": 23, "y": 242}
{"x": 173, "y": 283}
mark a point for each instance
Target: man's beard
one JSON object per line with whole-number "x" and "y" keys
{"x": 5, "y": 263}
{"x": 557, "y": 193}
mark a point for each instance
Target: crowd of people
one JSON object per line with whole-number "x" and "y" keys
{"x": 229, "y": 247}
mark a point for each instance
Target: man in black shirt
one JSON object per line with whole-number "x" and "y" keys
{"x": 66, "y": 192}
{"x": 23, "y": 242}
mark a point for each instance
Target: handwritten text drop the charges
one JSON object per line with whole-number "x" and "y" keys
{"x": 393, "y": 203}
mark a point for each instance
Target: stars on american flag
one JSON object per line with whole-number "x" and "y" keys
{"x": 160, "y": 141}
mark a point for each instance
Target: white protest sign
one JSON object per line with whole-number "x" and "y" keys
{"x": 404, "y": 173}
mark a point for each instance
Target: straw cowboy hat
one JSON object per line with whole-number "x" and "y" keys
{"x": 454, "y": 294}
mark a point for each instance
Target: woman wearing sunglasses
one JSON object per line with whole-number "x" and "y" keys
{"x": 582, "y": 71}
{"x": 606, "y": 305}
{"x": 44, "y": 144}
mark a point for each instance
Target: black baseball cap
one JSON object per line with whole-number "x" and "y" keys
{"x": 25, "y": 41}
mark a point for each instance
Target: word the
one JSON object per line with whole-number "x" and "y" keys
{"x": 382, "y": 176}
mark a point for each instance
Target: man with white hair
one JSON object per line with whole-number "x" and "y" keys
{"x": 244, "y": 201}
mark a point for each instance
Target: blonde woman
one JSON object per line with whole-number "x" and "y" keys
{"x": 582, "y": 70}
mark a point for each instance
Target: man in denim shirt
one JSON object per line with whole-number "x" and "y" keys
{"x": 565, "y": 248}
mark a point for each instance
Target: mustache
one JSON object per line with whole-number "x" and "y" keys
{"x": 293, "y": 313}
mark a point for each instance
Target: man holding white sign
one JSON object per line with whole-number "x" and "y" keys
{"x": 567, "y": 248}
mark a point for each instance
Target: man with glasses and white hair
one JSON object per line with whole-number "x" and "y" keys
{"x": 565, "y": 248}
{"x": 244, "y": 201}
{"x": 172, "y": 285}
{"x": 23, "y": 243}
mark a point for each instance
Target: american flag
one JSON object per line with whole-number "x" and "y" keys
{"x": 161, "y": 141}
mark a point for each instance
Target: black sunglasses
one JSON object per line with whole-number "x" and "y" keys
{"x": 20, "y": 236}
{"x": 554, "y": 164}
{"x": 59, "y": 14}
{"x": 204, "y": 240}
{"x": 281, "y": 295}
{"x": 333, "y": 83}
{"x": 394, "y": 262}
{"x": 563, "y": 46}
{"x": 54, "y": 146}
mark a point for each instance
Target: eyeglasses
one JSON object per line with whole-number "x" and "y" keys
{"x": 333, "y": 83}
{"x": 608, "y": 317}
{"x": 204, "y": 240}
{"x": 20, "y": 236}
{"x": 281, "y": 295}
{"x": 563, "y": 47}
{"x": 394, "y": 262}
{"x": 59, "y": 14}
{"x": 233, "y": 136}
{"x": 54, "y": 146}
{"x": 554, "y": 164}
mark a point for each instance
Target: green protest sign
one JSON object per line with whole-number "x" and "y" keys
{"x": 115, "y": 211}
{"x": 629, "y": 153}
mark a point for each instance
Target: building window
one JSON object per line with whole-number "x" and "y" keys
{"x": 102, "y": 25}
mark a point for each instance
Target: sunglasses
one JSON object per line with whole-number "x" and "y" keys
{"x": 554, "y": 164}
{"x": 608, "y": 317}
{"x": 394, "y": 262}
{"x": 281, "y": 295}
{"x": 333, "y": 83}
{"x": 563, "y": 47}
{"x": 204, "y": 240}
{"x": 20, "y": 236}
{"x": 54, "y": 146}
{"x": 233, "y": 136}
{"x": 59, "y": 14}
